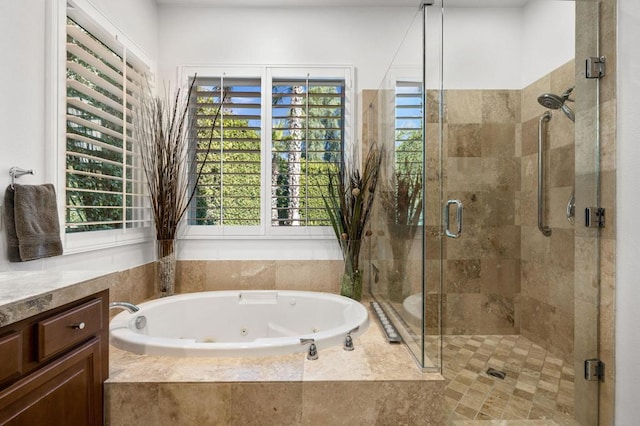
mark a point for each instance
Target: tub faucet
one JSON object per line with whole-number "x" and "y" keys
{"x": 130, "y": 307}
{"x": 312, "y": 355}
{"x": 348, "y": 341}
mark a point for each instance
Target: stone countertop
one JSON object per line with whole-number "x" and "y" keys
{"x": 27, "y": 293}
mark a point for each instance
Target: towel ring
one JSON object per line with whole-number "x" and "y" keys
{"x": 16, "y": 172}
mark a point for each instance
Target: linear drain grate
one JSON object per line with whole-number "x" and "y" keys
{"x": 389, "y": 329}
{"x": 496, "y": 373}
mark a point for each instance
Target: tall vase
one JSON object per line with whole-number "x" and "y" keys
{"x": 166, "y": 267}
{"x": 351, "y": 282}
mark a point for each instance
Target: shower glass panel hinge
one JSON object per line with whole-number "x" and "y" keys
{"x": 594, "y": 370}
{"x": 596, "y": 67}
{"x": 594, "y": 217}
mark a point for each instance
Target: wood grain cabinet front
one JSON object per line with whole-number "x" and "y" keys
{"x": 54, "y": 366}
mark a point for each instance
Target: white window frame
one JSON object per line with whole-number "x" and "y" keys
{"x": 265, "y": 231}
{"x": 83, "y": 12}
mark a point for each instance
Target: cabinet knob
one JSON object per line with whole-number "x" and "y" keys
{"x": 78, "y": 326}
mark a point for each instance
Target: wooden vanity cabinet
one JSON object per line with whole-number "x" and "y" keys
{"x": 53, "y": 365}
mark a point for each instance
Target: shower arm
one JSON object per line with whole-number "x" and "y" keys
{"x": 544, "y": 118}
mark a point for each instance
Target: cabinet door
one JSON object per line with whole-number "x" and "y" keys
{"x": 65, "y": 392}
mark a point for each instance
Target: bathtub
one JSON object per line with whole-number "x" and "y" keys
{"x": 238, "y": 323}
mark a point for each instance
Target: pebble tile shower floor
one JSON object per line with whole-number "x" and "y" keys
{"x": 538, "y": 386}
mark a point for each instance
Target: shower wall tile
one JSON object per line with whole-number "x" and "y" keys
{"x": 461, "y": 313}
{"x": 530, "y": 137}
{"x": 463, "y": 276}
{"x": 561, "y": 169}
{"x": 545, "y": 309}
{"x": 464, "y": 140}
{"x": 498, "y": 140}
{"x": 482, "y": 171}
{"x": 498, "y": 314}
{"x": 464, "y": 106}
{"x": 501, "y": 106}
{"x": 500, "y": 276}
{"x": 535, "y": 283}
{"x": 562, "y": 249}
{"x": 554, "y": 328}
{"x": 560, "y": 130}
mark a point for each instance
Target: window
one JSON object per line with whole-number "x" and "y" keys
{"x": 408, "y": 131}
{"x": 407, "y": 200}
{"x": 266, "y": 158}
{"x": 307, "y": 138}
{"x": 104, "y": 188}
{"x": 229, "y": 188}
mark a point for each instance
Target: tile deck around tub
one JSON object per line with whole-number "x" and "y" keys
{"x": 376, "y": 383}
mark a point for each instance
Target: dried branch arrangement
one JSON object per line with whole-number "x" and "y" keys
{"x": 162, "y": 130}
{"x": 348, "y": 204}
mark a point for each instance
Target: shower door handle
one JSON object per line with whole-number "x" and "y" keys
{"x": 447, "y": 231}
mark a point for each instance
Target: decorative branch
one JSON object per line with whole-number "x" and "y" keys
{"x": 162, "y": 127}
{"x": 349, "y": 203}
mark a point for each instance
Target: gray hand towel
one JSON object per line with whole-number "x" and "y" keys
{"x": 33, "y": 230}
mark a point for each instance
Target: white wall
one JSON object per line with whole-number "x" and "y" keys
{"x": 627, "y": 409}
{"x": 23, "y": 44}
{"x": 483, "y": 48}
{"x": 363, "y": 37}
{"x": 548, "y": 31}
{"x": 499, "y": 48}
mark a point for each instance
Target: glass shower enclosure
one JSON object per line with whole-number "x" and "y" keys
{"x": 481, "y": 254}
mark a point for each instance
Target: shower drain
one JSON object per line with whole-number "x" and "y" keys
{"x": 496, "y": 373}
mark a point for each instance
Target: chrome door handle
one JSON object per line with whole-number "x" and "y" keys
{"x": 458, "y": 204}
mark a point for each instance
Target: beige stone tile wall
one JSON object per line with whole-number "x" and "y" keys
{"x": 545, "y": 306}
{"x": 210, "y": 275}
{"x": 482, "y": 169}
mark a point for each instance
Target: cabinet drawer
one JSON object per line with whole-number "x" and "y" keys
{"x": 11, "y": 355}
{"x": 69, "y": 328}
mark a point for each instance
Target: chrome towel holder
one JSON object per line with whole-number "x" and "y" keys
{"x": 16, "y": 172}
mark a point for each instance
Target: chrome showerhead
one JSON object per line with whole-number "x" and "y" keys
{"x": 550, "y": 101}
{"x": 553, "y": 101}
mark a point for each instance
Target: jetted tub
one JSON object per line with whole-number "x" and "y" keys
{"x": 238, "y": 323}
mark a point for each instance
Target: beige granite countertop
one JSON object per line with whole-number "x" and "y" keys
{"x": 27, "y": 293}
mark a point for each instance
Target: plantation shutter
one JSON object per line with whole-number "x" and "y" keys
{"x": 104, "y": 187}
{"x": 230, "y": 186}
{"x": 307, "y": 138}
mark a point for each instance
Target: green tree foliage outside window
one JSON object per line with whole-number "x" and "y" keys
{"x": 307, "y": 137}
{"x": 101, "y": 192}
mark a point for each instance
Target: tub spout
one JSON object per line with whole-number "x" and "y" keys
{"x": 312, "y": 355}
{"x": 129, "y": 307}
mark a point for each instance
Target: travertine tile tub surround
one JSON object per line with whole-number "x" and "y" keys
{"x": 377, "y": 383}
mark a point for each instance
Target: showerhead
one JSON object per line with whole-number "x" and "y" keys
{"x": 552, "y": 101}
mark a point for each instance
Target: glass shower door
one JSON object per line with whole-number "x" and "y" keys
{"x": 517, "y": 148}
